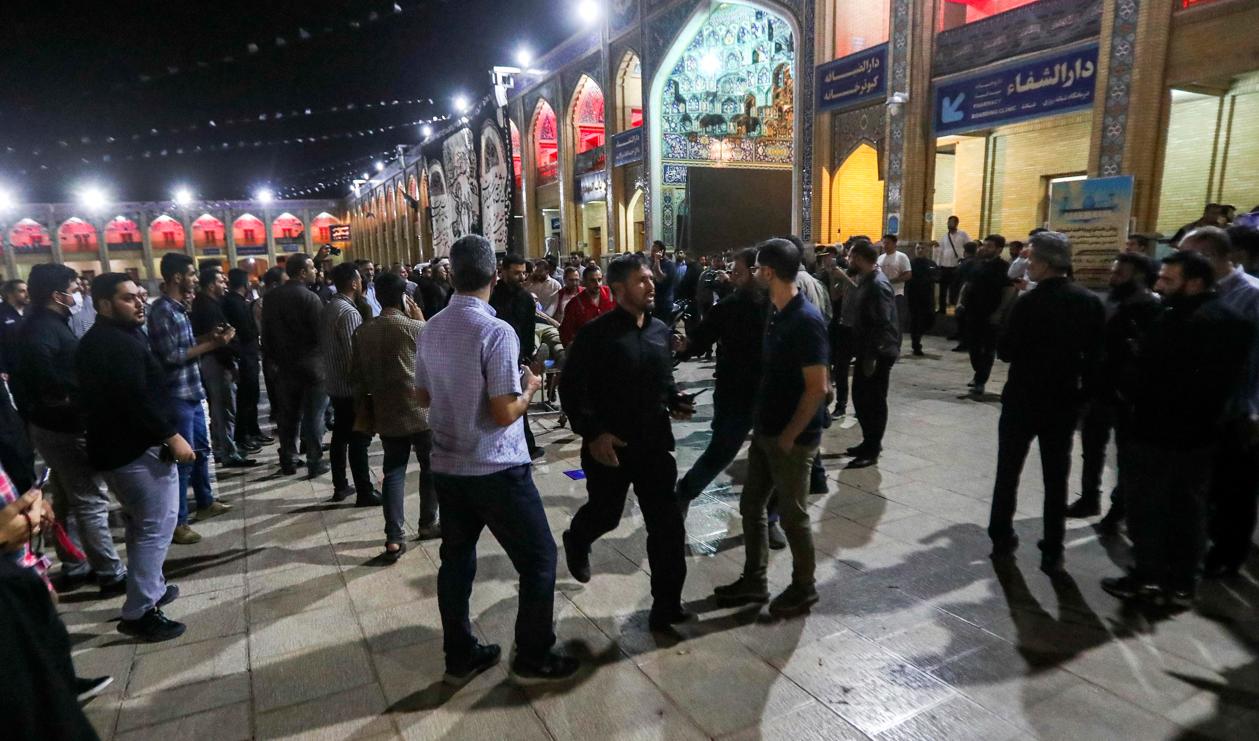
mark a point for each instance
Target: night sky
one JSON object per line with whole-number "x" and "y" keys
{"x": 74, "y": 73}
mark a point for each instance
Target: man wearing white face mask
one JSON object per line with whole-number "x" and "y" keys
{"x": 82, "y": 313}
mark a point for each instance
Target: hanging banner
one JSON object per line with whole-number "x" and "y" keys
{"x": 854, "y": 80}
{"x": 592, "y": 187}
{"x": 1044, "y": 86}
{"x": 339, "y": 233}
{"x": 1094, "y": 214}
{"x": 627, "y": 147}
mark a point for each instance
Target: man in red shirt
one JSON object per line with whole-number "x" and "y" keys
{"x": 594, "y": 300}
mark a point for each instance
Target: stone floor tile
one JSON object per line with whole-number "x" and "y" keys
{"x": 617, "y": 700}
{"x": 956, "y": 718}
{"x": 294, "y": 678}
{"x": 357, "y": 714}
{"x": 1087, "y": 711}
{"x": 812, "y": 722}
{"x": 307, "y": 630}
{"x": 227, "y": 723}
{"x": 207, "y": 615}
{"x": 195, "y": 662}
{"x": 160, "y": 707}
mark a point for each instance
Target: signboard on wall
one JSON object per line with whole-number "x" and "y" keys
{"x": 854, "y": 80}
{"x": 1094, "y": 213}
{"x": 627, "y": 147}
{"x": 1043, "y": 86}
{"x": 592, "y": 186}
{"x": 339, "y": 233}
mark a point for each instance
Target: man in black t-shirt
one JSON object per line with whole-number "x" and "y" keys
{"x": 786, "y": 435}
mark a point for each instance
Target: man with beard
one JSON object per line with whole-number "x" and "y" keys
{"x": 514, "y": 305}
{"x": 543, "y": 287}
{"x": 572, "y": 287}
{"x": 876, "y": 342}
{"x": 737, "y": 325}
{"x": 435, "y": 288}
{"x": 1054, "y": 346}
{"x": 594, "y": 301}
{"x": 618, "y": 391}
{"x": 1130, "y": 309}
{"x": 218, "y": 368}
{"x": 1186, "y": 374}
{"x": 338, "y": 322}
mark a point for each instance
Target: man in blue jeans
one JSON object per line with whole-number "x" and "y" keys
{"x": 467, "y": 373}
{"x": 170, "y": 336}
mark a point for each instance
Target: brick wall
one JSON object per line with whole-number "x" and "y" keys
{"x": 1025, "y": 156}
{"x": 855, "y": 198}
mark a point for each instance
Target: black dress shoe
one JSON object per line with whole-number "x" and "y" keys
{"x": 249, "y": 446}
{"x": 863, "y": 461}
{"x": 578, "y": 559}
{"x": 1052, "y": 564}
{"x": 537, "y": 452}
{"x": 554, "y": 667}
{"x": 342, "y": 494}
{"x": 263, "y": 439}
{"x": 152, "y": 627}
{"x": 288, "y": 469}
{"x": 69, "y": 582}
{"x": 1083, "y": 507}
{"x": 817, "y": 483}
{"x": 918, "y": 352}
{"x": 1128, "y": 588}
{"x": 855, "y": 450}
{"x": 315, "y": 470}
{"x": 479, "y": 659}
{"x": 238, "y": 461}
{"x": 371, "y": 500}
{"x": 392, "y": 557}
{"x": 114, "y": 588}
{"x": 663, "y": 620}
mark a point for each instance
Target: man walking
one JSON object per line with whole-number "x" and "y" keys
{"x": 218, "y": 368}
{"x": 1177, "y": 429}
{"x": 172, "y": 341}
{"x": 467, "y": 373}
{"x": 949, "y": 256}
{"x": 337, "y": 324}
{"x": 46, "y": 389}
{"x": 384, "y": 381}
{"x": 627, "y": 438}
{"x": 786, "y": 435}
{"x": 240, "y": 315}
{"x": 132, "y": 440}
{"x": 985, "y": 292}
{"x": 918, "y": 295}
{"x": 1053, "y": 346}
{"x": 516, "y": 306}
{"x": 876, "y": 345}
{"x": 290, "y": 334}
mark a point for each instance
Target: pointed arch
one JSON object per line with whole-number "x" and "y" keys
{"x": 629, "y": 92}
{"x": 321, "y": 227}
{"x": 77, "y": 236}
{"x": 544, "y": 136}
{"x": 208, "y": 232}
{"x": 121, "y": 233}
{"x": 166, "y": 233}
{"x": 29, "y": 236}
{"x": 288, "y": 229}
{"x": 249, "y": 231}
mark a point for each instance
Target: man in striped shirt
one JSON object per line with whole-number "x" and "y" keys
{"x": 337, "y": 324}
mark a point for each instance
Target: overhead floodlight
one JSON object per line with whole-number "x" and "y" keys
{"x": 264, "y": 196}
{"x": 461, "y": 104}
{"x": 524, "y": 57}
{"x": 380, "y": 166}
{"x": 183, "y": 196}
{"x": 365, "y": 177}
{"x": 588, "y": 11}
{"x": 426, "y": 130}
{"x": 93, "y": 198}
{"x": 8, "y": 201}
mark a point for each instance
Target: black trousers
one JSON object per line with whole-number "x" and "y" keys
{"x": 948, "y": 288}
{"x": 841, "y": 360}
{"x": 653, "y": 474}
{"x": 869, "y": 398}
{"x": 921, "y": 318}
{"x": 273, "y": 395}
{"x": 1233, "y": 500}
{"x": 348, "y": 443}
{"x": 1054, "y": 429}
{"x": 981, "y": 341}
{"x": 17, "y": 456}
{"x": 248, "y": 393}
{"x": 1166, "y": 488}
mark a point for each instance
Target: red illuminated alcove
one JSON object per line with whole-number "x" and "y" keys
{"x": 954, "y": 13}
{"x": 287, "y": 229}
{"x": 166, "y": 233}
{"x": 322, "y": 224}
{"x": 249, "y": 231}
{"x": 516, "y": 169}
{"x": 546, "y": 143}
{"x": 208, "y": 233}
{"x": 77, "y": 236}
{"x": 123, "y": 233}
{"x": 29, "y": 235}
{"x": 587, "y": 117}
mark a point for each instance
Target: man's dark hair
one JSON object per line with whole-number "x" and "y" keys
{"x": 891, "y": 238}
{"x": 390, "y": 288}
{"x": 174, "y": 264}
{"x": 1144, "y": 240}
{"x": 747, "y": 256}
{"x": 296, "y": 263}
{"x": 237, "y": 279}
{"x": 511, "y": 259}
{"x": 571, "y": 269}
{"x": 654, "y": 245}
{"x": 472, "y": 263}
{"x": 1193, "y": 265}
{"x": 46, "y": 279}
{"x": 272, "y": 277}
{"x": 996, "y": 239}
{"x": 10, "y": 286}
{"x": 781, "y": 256}
{"x": 1147, "y": 267}
{"x": 1036, "y": 231}
{"x": 589, "y": 270}
{"x": 104, "y": 286}
{"x": 1215, "y": 242}
{"x": 361, "y": 263}
{"x": 343, "y": 276}
{"x": 621, "y": 268}
{"x": 864, "y": 250}
{"x": 970, "y": 247}
{"x": 207, "y": 274}
{"x": 1245, "y": 239}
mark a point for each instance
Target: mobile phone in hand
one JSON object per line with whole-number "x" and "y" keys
{"x": 42, "y": 481}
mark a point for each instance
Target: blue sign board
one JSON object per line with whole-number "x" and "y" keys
{"x": 853, "y": 80}
{"x": 627, "y": 147}
{"x": 1043, "y": 86}
{"x": 254, "y": 250}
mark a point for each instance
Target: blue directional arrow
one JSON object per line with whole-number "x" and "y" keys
{"x": 950, "y": 109}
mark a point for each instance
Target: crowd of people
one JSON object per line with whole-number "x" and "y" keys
{"x": 444, "y": 360}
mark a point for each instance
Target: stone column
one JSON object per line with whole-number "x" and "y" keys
{"x": 229, "y": 236}
{"x": 146, "y": 243}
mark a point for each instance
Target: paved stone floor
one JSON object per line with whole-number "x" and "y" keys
{"x": 293, "y": 632}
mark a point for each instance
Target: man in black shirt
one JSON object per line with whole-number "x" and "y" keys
{"x": 1054, "y": 346}
{"x": 131, "y": 439}
{"x": 218, "y": 367}
{"x": 240, "y": 314}
{"x": 786, "y": 435}
{"x": 665, "y": 273}
{"x": 514, "y": 305}
{"x": 617, "y": 390}
{"x": 919, "y": 294}
{"x": 14, "y": 300}
{"x": 876, "y": 343}
{"x": 47, "y": 393}
{"x": 985, "y": 290}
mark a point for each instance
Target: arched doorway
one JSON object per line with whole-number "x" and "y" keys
{"x": 544, "y": 137}
{"x": 31, "y": 245}
{"x": 209, "y": 239}
{"x": 590, "y": 186}
{"x": 250, "y": 235}
{"x": 627, "y": 174}
{"x": 124, "y": 243}
{"x": 321, "y": 227}
{"x": 166, "y": 234}
{"x": 726, "y": 147}
{"x": 80, "y": 246}
{"x": 855, "y": 205}
{"x": 288, "y": 232}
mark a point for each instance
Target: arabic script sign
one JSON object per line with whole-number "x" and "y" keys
{"x": 627, "y": 147}
{"x": 1094, "y": 214}
{"x": 853, "y": 80}
{"x": 1042, "y": 86}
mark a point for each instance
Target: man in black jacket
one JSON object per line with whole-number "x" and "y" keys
{"x": 1188, "y": 371}
{"x": 985, "y": 290}
{"x": 876, "y": 338}
{"x": 47, "y": 391}
{"x": 514, "y": 305}
{"x": 1053, "y": 345}
{"x": 240, "y": 314}
{"x": 1130, "y": 309}
{"x": 617, "y": 390}
{"x": 919, "y": 294}
{"x": 131, "y": 439}
{"x": 290, "y": 327}
{"x": 218, "y": 367}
